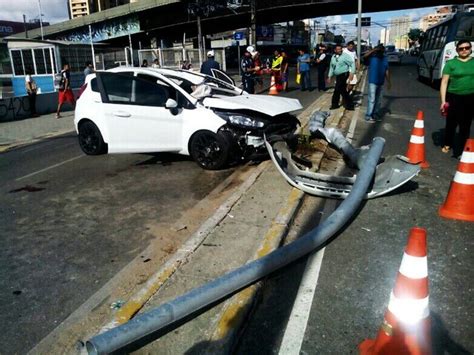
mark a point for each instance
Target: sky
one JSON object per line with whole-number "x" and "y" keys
{"x": 56, "y": 11}
{"x": 345, "y": 25}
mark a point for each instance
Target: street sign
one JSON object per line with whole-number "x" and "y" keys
{"x": 365, "y": 21}
{"x": 238, "y": 36}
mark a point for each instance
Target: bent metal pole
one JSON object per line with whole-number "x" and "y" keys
{"x": 198, "y": 298}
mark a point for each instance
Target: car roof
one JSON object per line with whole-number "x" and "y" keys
{"x": 193, "y": 77}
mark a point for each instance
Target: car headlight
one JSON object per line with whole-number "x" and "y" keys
{"x": 245, "y": 121}
{"x": 241, "y": 120}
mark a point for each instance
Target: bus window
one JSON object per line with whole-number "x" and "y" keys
{"x": 466, "y": 28}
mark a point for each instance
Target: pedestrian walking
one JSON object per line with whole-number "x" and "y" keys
{"x": 31, "y": 90}
{"x": 322, "y": 62}
{"x": 248, "y": 69}
{"x": 89, "y": 69}
{"x": 209, "y": 64}
{"x": 342, "y": 66}
{"x": 457, "y": 95}
{"x": 284, "y": 71}
{"x": 65, "y": 91}
{"x": 303, "y": 68}
{"x": 377, "y": 62}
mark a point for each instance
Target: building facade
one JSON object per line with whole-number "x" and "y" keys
{"x": 79, "y": 8}
{"x": 441, "y": 14}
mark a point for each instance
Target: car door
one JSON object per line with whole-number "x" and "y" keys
{"x": 135, "y": 114}
{"x": 219, "y": 74}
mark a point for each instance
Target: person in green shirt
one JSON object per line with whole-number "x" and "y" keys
{"x": 342, "y": 66}
{"x": 457, "y": 95}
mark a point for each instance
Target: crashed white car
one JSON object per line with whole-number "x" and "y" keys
{"x": 140, "y": 110}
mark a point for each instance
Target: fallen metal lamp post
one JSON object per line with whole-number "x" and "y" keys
{"x": 198, "y": 298}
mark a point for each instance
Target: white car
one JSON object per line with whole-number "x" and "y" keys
{"x": 393, "y": 56}
{"x": 141, "y": 110}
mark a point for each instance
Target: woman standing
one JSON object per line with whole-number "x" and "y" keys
{"x": 31, "y": 90}
{"x": 457, "y": 95}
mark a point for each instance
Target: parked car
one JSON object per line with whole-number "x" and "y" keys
{"x": 138, "y": 110}
{"x": 393, "y": 56}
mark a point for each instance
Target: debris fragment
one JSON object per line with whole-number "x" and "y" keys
{"x": 117, "y": 304}
{"x": 366, "y": 229}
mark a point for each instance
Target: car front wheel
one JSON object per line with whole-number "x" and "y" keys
{"x": 209, "y": 150}
{"x": 90, "y": 139}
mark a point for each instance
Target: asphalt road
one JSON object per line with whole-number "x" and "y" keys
{"x": 360, "y": 265}
{"x": 70, "y": 222}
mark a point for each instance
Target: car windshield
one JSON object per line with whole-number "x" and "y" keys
{"x": 206, "y": 87}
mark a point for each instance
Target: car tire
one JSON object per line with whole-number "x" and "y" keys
{"x": 90, "y": 139}
{"x": 209, "y": 150}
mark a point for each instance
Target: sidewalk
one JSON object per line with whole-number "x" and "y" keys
{"x": 30, "y": 130}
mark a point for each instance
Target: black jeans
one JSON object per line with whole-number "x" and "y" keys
{"x": 460, "y": 112}
{"x": 249, "y": 83}
{"x": 341, "y": 90}
{"x": 32, "y": 101}
{"x": 321, "y": 77}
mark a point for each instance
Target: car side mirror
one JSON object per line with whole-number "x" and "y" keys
{"x": 172, "y": 105}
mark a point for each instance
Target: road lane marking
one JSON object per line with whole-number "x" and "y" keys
{"x": 296, "y": 327}
{"x": 49, "y": 167}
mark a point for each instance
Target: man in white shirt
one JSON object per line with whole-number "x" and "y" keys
{"x": 350, "y": 49}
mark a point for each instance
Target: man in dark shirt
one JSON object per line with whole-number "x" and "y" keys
{"x": 248, "y": 68}
{"x": 209, "y": 64}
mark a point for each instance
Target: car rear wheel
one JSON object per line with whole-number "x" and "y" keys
{"x": 90, "y": 139}
{"x": 209, "y": 150}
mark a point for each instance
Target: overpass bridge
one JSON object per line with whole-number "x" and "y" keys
{"x": 170, "y": 19}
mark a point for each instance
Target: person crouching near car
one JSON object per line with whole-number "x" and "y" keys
{"x": 342, "y": 66}
{"x": 377, "y": 62}
{"x": 65, "y": 91}
{"x": 457, "y": 95}
{"x": 31, "y": 90}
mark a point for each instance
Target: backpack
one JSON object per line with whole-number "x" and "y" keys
{"x": 59, "y": 81}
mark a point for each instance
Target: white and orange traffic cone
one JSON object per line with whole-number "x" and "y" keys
{"x": 273, "y": 89}
{"x": 416, "y": 147}
{"x": 459, "y": 203}
{"x": 406, "y": 326}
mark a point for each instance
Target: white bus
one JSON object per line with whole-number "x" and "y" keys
{"x": 439, "y": 44}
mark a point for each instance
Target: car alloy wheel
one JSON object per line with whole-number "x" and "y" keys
{"x": 90, "y": 139}
{"x": 209, "y": 150}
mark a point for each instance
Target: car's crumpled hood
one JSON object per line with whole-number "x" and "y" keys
{"x": 269, "y": 105}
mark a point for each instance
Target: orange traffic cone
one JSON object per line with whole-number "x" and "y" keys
{"x": 416, "y": 147}
{"x": 459, "y": 203}
{"x": 406, "y": 327}
{"x": 273, "y": 88}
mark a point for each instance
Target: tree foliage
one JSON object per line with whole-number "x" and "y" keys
{"x": 415, "y": 34}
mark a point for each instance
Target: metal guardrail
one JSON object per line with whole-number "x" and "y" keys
{"x": 200, "y": 297}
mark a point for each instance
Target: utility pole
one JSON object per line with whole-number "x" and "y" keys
{"x": 253, "y": 22}
{"x": 41, "y": 19}
{"x": 359, "y": 27}
{"x": 199, "y": 39}
{"x": 24, "y": 25}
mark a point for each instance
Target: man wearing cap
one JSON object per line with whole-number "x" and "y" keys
{"x": 247, "y": 65}
{"x": 209, "y": 64}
